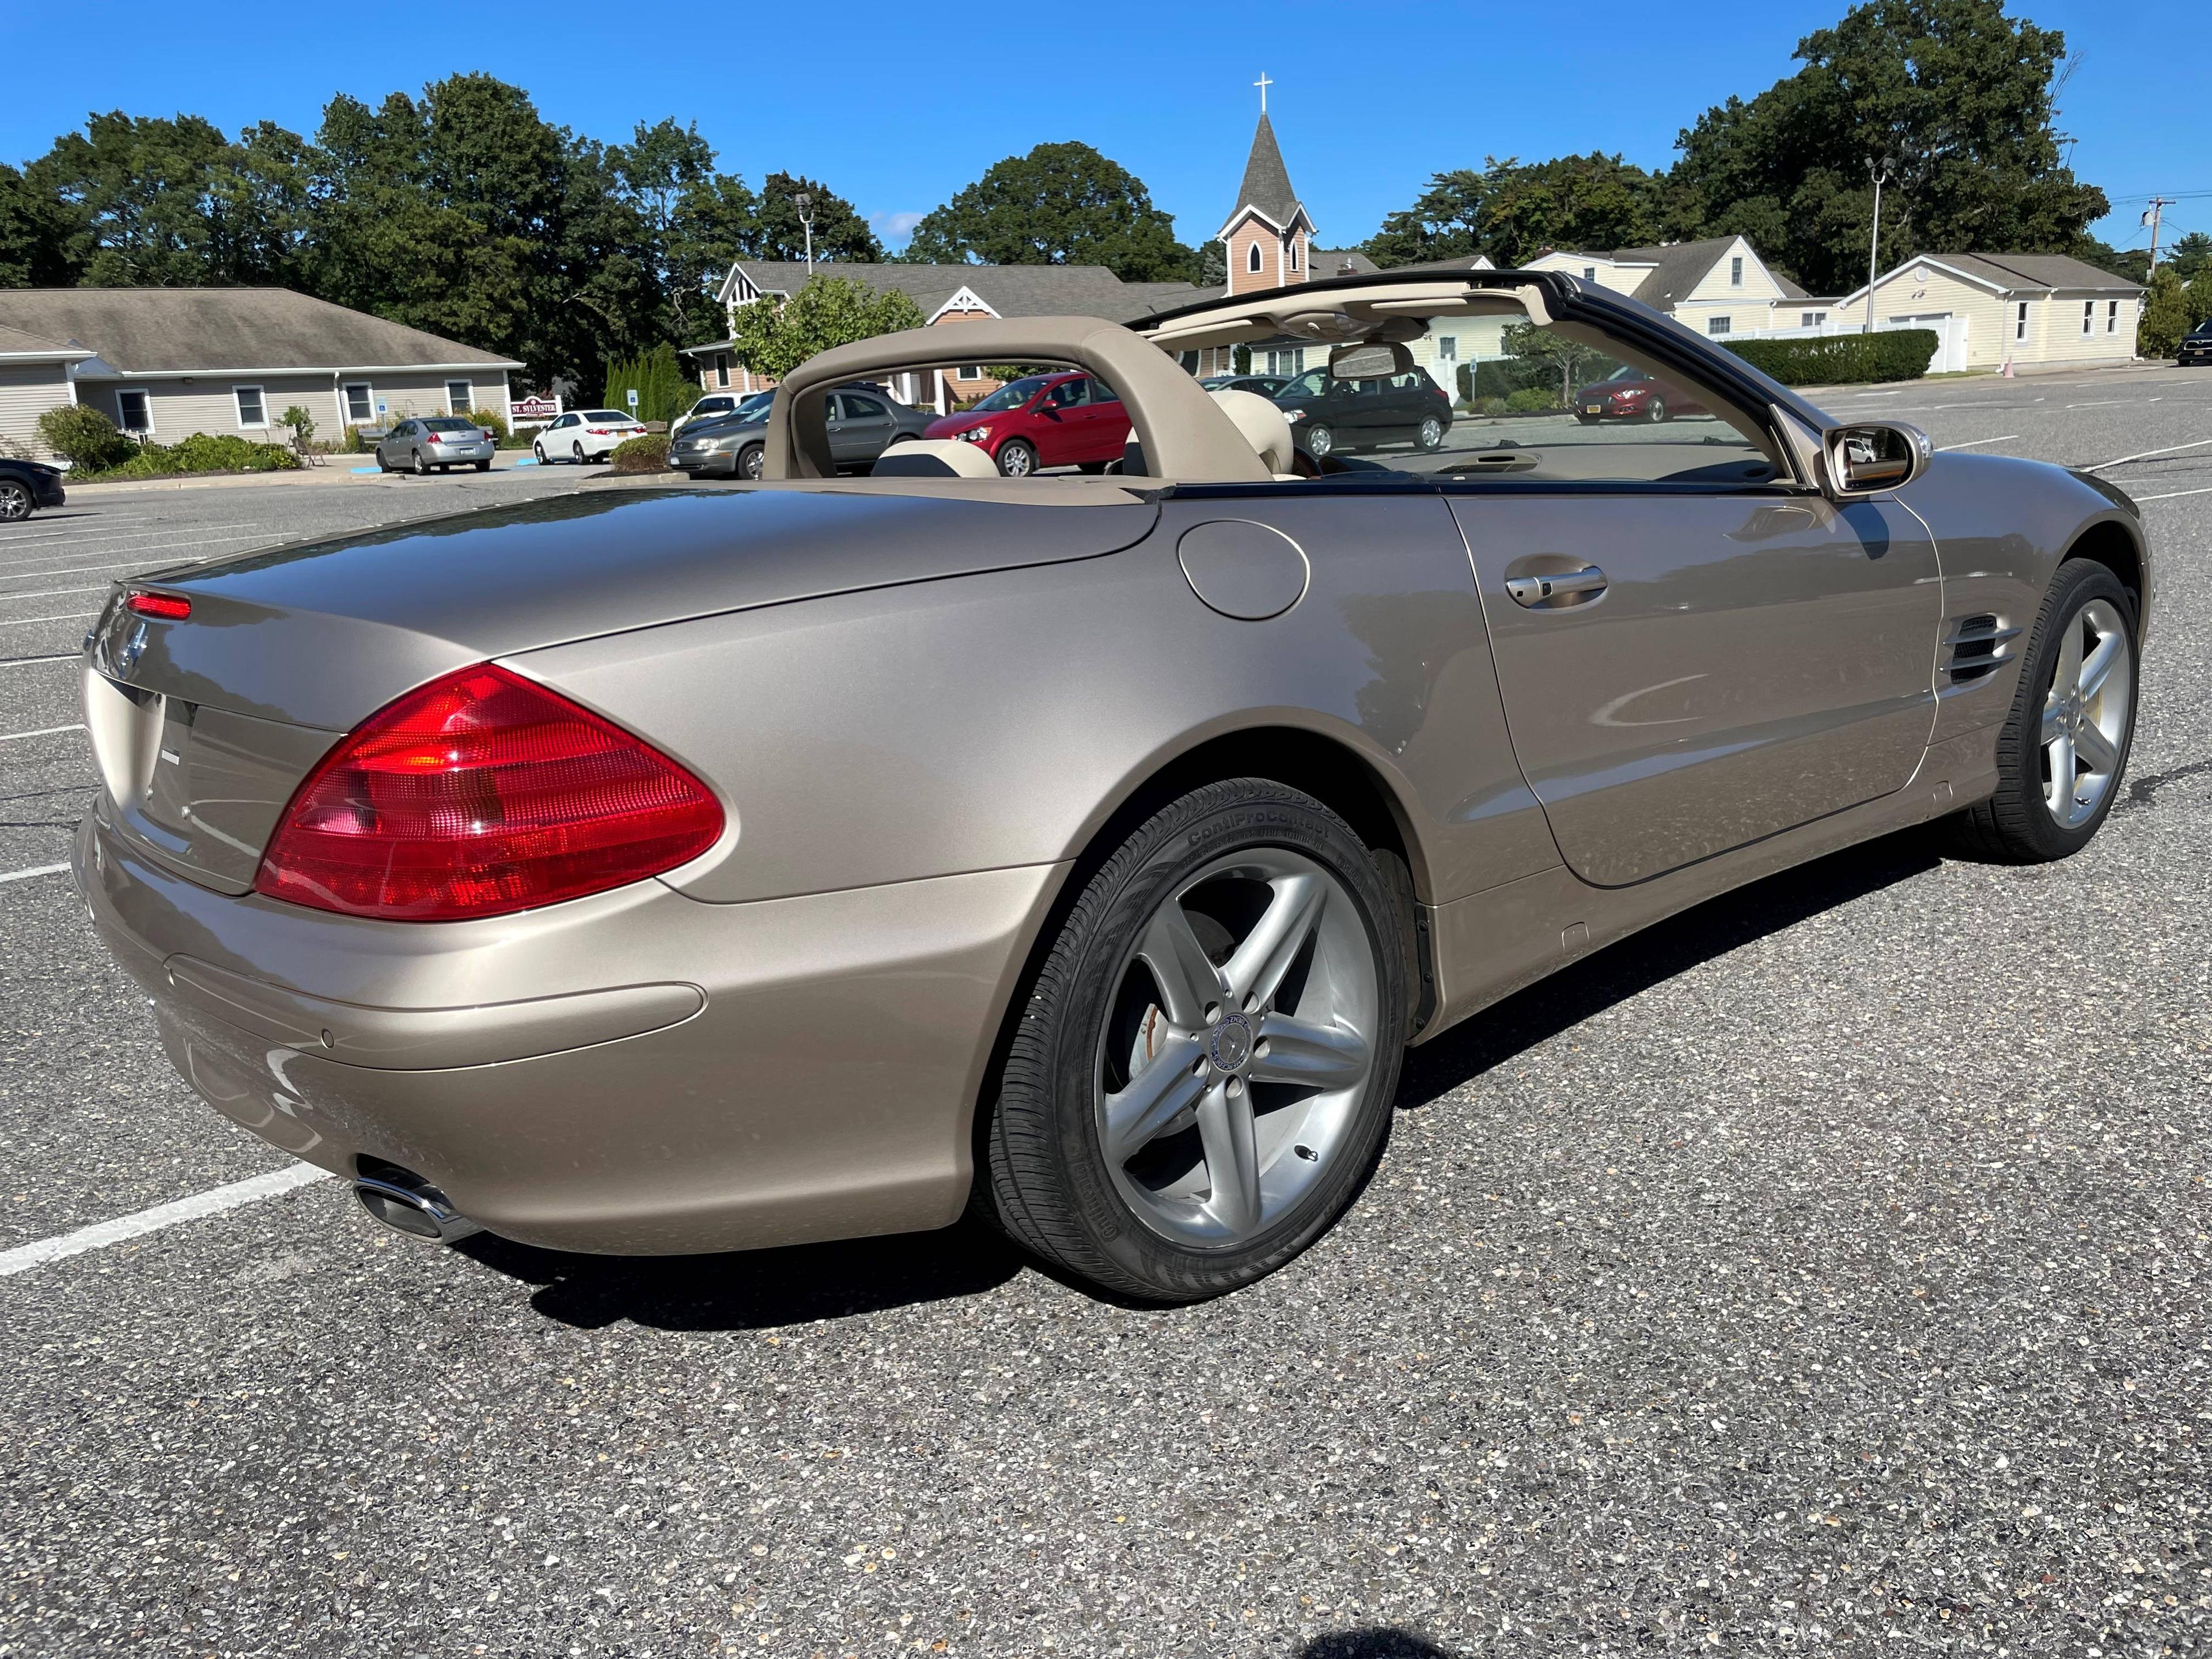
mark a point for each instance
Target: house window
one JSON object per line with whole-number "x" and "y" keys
{"x": 969, "y": 371}
{"x": 721, "y": 368}
{"x": 1590, "y": 273}
{"x": 252, "y": 411}
{"x": 360, "y": 404}
{"x": 1447, "y": 348}
{"x": 1294, "y": 254}
{"x": 1292, "y": 362}
{"x": 2088, "y": 316}
{"x": 1735, "y": 271}
{"x": 1812, "y": 319}
{"x": 1719, "y": 324}
{"x": 137, "y": 412}
{"x": 1252, "y": 256}
{"x": 2111, "y": 317}
{"x": 2019, "y": 321}
{"x": 461, "y": 396}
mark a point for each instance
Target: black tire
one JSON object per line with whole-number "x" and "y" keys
{"x": 1320, "y": 442}
{"x": 15, "y": 503}
{"x": 380, "y": 465}
{"x": 2014, "y": 825}
{"x": 576, "y": 452}
{"x": 422, "y": 466}
{"x": 750, "y": 460}
{"x": 1017, "y": 458}
{"x": 1094, "y": 468}
{"x": 1425, "y": 441}
{"x": 538, "y": 451}
{"x": 1044, "y": 1177}
{"x": 483, "y": 466}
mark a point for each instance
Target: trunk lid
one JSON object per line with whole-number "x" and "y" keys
{"x": 205, "y": 727}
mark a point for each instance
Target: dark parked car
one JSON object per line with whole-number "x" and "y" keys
{"x": 1044, "y": 420}
{"x": 861, "y": 425}
{"x": 423, "y": 444}
{"x": 26, "y": 486}
{"x": 2196, "y": 346}
{"x": 1630, "y": 394}
{"x": 1328, "y": 414}
{"x": 1267, "y": 385}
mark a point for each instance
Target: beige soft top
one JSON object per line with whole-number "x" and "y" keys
{"x": 1185, "y": 434}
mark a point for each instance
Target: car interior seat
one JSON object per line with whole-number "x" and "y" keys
{"x": 1265, "y": 427}
{"x": 933, "y": 458}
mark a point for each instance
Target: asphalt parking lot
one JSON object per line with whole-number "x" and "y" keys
{"x": 1824, "y": 1269}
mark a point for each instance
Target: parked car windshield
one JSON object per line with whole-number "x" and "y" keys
{"x": 1012, "y": 395}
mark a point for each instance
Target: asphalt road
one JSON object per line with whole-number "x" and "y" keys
{"x": 1824, "y": 1269}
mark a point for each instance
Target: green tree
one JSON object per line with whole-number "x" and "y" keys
{"x": 662, "y": 167}
{"x": 2191, "y": 256}
{"x": 1957, "y": 95}
{"x": 840, "y": 232}
{"x": 664, "y": 391}
{"x": 828, "y": 311}
{"x": 1511, "y": 211}
{"x": 2165, "y": 315}
{"x": 34, "y": 236}
{"x": 1061, "y": 204}
{"x": 1542, "y": 345}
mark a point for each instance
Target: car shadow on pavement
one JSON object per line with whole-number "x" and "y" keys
{"x": 752, "y": 1289}
{"x": 1642, "y": 960}
{"x": 1372, "y": 1642}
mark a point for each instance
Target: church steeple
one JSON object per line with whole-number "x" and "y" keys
{"x": 1269, "y": 236}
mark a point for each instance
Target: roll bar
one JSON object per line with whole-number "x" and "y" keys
{"x": 1184, "y": 435}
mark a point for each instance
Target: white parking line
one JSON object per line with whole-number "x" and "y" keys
{"x": 150, "y": 559}
{"x": 55, "y": 593}
{"x": 2108, "y": 403}
{"x": 1971, "y": 443}
{"x": 2175, "y": 495}
{"x": 2173, "y": 449}
{"x": 24, "y": 1257}
{"x": 38, "y": 732}
{"x": 32, "y": 662}
{"x": 93, "y": 545}
{"x": 67, "y": 615}
{"x": 35, "y": 870}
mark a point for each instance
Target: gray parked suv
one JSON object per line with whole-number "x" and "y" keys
{"x": 423, "y": 444}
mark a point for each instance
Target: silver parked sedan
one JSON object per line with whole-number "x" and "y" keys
{"x": 689, "y": 870}
{"x": 422, "y": 444}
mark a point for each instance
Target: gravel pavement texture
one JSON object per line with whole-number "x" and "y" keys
{"x": 1823, "y": 1269}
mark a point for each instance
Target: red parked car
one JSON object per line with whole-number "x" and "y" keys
{"x": 1066, "y": 419}
{"x": 1630, "y": 394}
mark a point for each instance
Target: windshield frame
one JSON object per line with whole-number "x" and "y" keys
{"x": 991, "y": 404}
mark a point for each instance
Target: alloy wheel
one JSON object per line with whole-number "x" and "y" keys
{"x": 1242, "y": 1036}
{"x": 2086, "y": 711}
{"x": 577, "y": 447}
{"x": 1016, "y": 460}
{"x": 1432, "y": 433}
{"x": 14, "y": 501}
{"x": 750, "y": 463}
{"x": 1320, "y": 441}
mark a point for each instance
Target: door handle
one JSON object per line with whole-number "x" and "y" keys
{"x": 1538, "y": 589}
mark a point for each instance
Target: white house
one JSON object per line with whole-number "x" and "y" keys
{"x": 2024, "y": 308}
{"x": 1718, "y": 286}
{"x": 166, "y": 362}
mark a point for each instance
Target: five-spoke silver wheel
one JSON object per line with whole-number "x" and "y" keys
{"x": 1241, "y": 1037}
{"x": 2085, "y": 710}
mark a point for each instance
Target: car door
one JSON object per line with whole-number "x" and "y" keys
{"x": 1108, "y": 424}
{"x": 1361, "y": 412}
{"x": 1694, "y": 652}
{"x": 1063, "y": 432}
{"x": 867, "y": 427}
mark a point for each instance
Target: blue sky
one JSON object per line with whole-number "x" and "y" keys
{"x": 896, "y": 107}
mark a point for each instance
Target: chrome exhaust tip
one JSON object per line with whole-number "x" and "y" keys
{"x": 406, "y": 1203}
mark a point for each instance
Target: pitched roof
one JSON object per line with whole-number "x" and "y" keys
{"x": 1009, "y": 290}
{"x": 1340, "y": 262}
{"x": 17, "y": 343}
{"x": 1266, "y": 186}
{"x": 2041, "y": 270}
{"x": 142, "y": 330}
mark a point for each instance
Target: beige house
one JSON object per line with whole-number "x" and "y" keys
{"x": 1719, "y": 287}
{"x": 2027, "y": 309}
{"x": 166, "y": 362}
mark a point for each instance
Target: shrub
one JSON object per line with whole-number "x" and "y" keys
{"x": 203, "y": 451}
{"x": 647, "y": 454}
{"x": 83, "y": 437}
{"x": 492, "y": 422}
{"x": 1899, "y": 353}
{"x": 300, "y": 424}
{"x": 2166, "y": 316}
{"x": 1533, "y": 400}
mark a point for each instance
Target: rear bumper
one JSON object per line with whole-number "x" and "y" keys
{"x": 635, "y": 1072}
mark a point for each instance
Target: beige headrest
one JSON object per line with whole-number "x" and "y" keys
{"x": 934, "y": 458}
{"x": 1264, "y": 426}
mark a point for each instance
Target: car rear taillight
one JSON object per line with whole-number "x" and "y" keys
{"x": 169, "y": 607}
{"x": 479, "y": 794}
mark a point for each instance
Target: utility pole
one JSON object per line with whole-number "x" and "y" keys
{"x": 2158, "y": 205}
{"x": 805, "y": 202}
{"x": 1880, "y": 170}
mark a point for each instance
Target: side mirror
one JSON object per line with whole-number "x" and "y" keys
{"x": 1875, "y": 456}
{"x": 1369, "y": 362}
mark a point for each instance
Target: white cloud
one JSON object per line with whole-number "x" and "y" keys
{"x": 895, "y": 227}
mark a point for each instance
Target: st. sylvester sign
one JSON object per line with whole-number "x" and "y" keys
{"x": 532, "y": 412}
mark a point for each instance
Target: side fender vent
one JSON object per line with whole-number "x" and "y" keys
{"x": 1975, "y": 647}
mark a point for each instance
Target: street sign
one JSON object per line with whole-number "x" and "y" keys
{"x": 531, "y": 411}
{"x": 633, "y": 396}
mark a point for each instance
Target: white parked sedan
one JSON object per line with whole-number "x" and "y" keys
{"x": 589, "y": 434}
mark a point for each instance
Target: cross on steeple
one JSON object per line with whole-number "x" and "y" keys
{"x": 1263, "y": 83}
